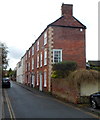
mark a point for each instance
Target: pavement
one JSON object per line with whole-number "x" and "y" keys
{"x": 1, "y": 101}
{"x": 84, "y": 107}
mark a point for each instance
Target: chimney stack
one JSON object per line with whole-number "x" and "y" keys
{"x": 67, "y": 9}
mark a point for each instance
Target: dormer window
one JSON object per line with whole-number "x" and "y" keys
{"x": 45, "y": 38}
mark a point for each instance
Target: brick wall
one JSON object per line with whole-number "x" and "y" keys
{"x": 72, "y": 43}
{"x": 62, "y": 89}
{"x": 40, "y": 69}
{"x": 76, "y": 93}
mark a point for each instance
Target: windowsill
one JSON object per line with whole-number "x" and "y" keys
{"x": 45, "y": 44}
{"x": 45, "y": 64}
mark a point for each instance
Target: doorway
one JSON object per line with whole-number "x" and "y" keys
{"x": 40, "y": 87}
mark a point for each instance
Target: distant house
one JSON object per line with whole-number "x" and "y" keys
{"x": 62, "y": 40}
{"x": 20, "y": 71}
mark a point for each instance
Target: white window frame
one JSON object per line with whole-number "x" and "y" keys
{"x": 26, "y": 67}
{"x": 45, "y": 38}
{"x": 54, "y": 50}
{"x": 38, "y": 45}
{"x": 37, "y": 78}
{"x": 29, "y": 53}
{"x": 45, "y": 78}
{"x": 32, "y": 63}
{"x": 26, "y": 57}
{"x": 38, "y": 61}
{"x": 45, "y": 57}
{"x": 41, "y": 59}
{"x": 29, "y": 66}
{"x": 32, "y": 50}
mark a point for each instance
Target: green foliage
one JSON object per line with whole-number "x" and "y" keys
{"x": 54, "y": 74}
{"x": 96, "y": 68}
{"x": 62, "y": 69}
{"x": 4, "y": 56}
{"x": 11, "y": 73}
{"x": 4, "y": 59}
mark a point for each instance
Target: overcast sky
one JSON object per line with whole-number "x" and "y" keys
{"x": 22, "y": 21}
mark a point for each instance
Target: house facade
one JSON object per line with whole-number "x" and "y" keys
{"x": 0, "y": 64}
{"x": 62, "y": 40}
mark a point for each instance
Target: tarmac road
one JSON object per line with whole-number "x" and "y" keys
{"x": 21, "y": 103}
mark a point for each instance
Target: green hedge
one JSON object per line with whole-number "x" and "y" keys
{"x": 62, "y": 69}
{"x": 96, "y": 68}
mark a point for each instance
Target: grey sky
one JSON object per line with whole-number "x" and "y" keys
{"x": 15, "y": 52}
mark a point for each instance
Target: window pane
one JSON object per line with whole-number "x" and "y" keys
{"x": 37, "y": 61}
{"x": 37, "y": 45}
{"x": 45, "y": 38}
{"x": 41, "y": 60}
{"x": 33, "y": 50}
{"x": 45, "y": 57}
{"x": 57, "y": 55}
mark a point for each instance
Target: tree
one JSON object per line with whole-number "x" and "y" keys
{"x": 11, "y": 74}
{"x": 4, "y": 57}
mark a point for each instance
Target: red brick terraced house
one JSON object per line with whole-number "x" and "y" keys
{"x": 62, "y": 40}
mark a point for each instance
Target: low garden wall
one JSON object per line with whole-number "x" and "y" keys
{"x": 62, "y": 89}
{"x": 76, "y": 88}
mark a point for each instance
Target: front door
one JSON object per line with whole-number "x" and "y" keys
{"x": 40, "y": 87}
{"x": 33, "y": 81}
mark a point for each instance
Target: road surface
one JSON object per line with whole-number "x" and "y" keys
{"x": 21, "y": 103}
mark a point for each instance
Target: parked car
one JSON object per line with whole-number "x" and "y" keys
{"x": 95, "y": 100}
{"x": 6, "y": 82}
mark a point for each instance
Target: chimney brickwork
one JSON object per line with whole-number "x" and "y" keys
{"x": 67, "y": 9}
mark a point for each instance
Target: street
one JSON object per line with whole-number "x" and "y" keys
{"x": 21, "y": 103}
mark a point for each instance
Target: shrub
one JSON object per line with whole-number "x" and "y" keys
{"x": 79, "y": 76}
{"x": 62, "y": 69}
{"x": 96, "y": 68}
